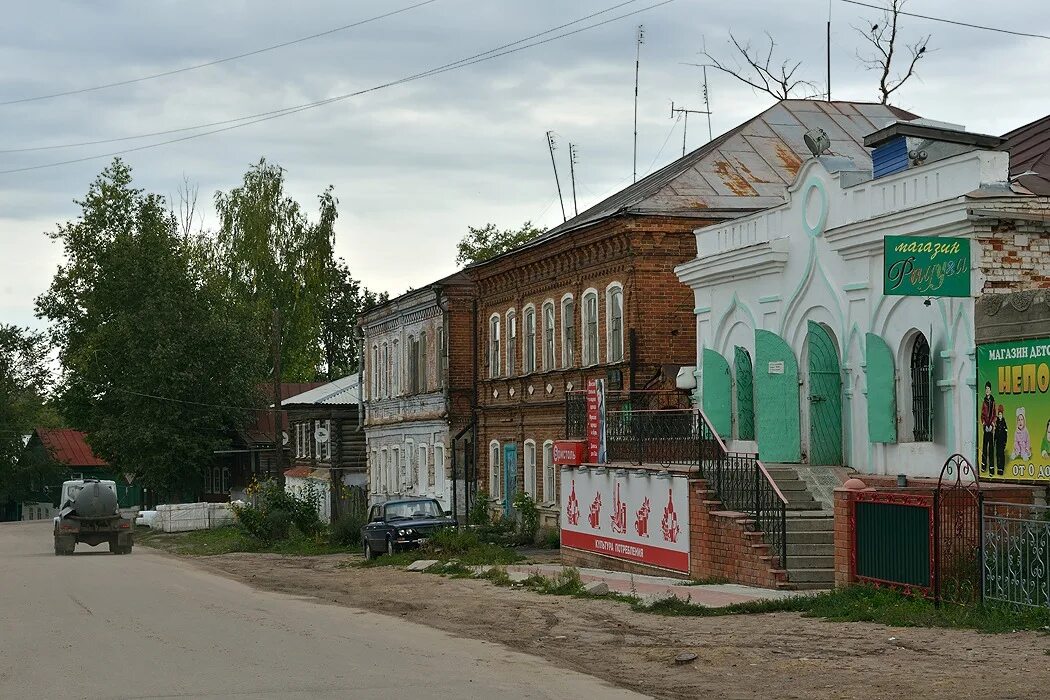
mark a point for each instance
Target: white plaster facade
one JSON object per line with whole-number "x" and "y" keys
{"x": 819, "y": 257}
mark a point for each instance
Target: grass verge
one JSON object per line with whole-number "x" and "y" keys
{"x": 463, "y": 547}
{"x": 225, "y": 540}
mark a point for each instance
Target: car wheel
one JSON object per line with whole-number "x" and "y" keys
{"x": 369, "y": 554}
{"x": 391, "y": 549}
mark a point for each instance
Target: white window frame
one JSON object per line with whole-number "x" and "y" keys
{"x": 494, "y": 342}
{"x": 529, "y": 459}
{"x": 375, "y": 371}
{"x": 396, "y": 369}
{"x": 495, "y": 470}
{"x": 422, "y": 466}
{"x": 568, "y": 345}
{"x": 373, "y": 470}
{"x": 439, "y": 468}
{"x": 549, "y": 360}
{"x": 610, "y": 334}
{"x": 512, "y": 342}
{"x": 323, "y": 450}
{"x": 384, "y": 469}
{"x": 384, "y": 380}
{"x": 586, "y": 345}
{"x": 394, "y": 476}
{"x": 528, "y": 339}
{"x": 550, "y": 473}
{"x": 407, "y": 476}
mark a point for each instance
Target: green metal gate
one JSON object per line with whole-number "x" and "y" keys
{"x": 717, "y": 393}
{"x": 825, "y": 398}
{"x": 893, "y": 540}
{"x": 745, "y": 395}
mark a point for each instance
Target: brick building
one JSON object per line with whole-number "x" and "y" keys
{"x": 417, "y": 394}
{"x": 597, "y": 296}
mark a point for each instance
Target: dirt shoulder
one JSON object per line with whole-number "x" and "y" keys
{"x": 780, "y": 655}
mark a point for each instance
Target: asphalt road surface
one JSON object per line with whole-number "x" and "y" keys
{"x": 96, "y": 625}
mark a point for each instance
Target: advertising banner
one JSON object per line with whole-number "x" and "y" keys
{"x": 643, "y": 519}
{"x": 1013, "y": 410}
{"x": 926, "y": 267}
{"x": 570, "y": 452}
{"x": 596, "y": 420}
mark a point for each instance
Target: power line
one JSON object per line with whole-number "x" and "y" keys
{"x": 666, "y": 139}
{"x": 949, "y": 21}
{"x": 476, "y": 58}
{"x": 267, "y": 409}
{"x": 275, "y": 114}
{"x": 217, "y": 61}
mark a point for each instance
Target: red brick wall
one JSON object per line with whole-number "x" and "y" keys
{"x": 1015, "y": 255}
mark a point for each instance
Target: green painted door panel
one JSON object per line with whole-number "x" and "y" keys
{"x": 882, "y": 390}
{"x": 717, "y": 393}
{"x": 776, "y": 399}
{"x": 745, "y": 395}
{"x": 825, "y": 398}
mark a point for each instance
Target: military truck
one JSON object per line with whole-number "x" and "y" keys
{"x": 88, "y": 513}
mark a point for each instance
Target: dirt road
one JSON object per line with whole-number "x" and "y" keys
{"x": 96, "y": 625}
{"x": 762, "y": 656}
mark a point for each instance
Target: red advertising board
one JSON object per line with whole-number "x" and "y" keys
{"x": 570, "y": 452}
{"x": 631, "y": 551}
{"x": 594, "y": 435}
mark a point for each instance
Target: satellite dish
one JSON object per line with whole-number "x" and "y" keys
{"x": 817, "y": 141}
{"x": 284, "y": 437}
{"x": 321, "y": 435}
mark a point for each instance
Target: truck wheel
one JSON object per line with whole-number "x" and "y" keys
{"x": 63, "y": 546}
{"x": 114, "y": 548}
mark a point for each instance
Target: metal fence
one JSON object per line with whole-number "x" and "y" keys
{"x": 1016, "y": 561}
{"x": 743, "y": 484}
{"x": 893, "y": 540}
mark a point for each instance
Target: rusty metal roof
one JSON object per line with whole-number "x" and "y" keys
{"x": 1029, "y": 149}
{"x": 745, "y": 169}
{"x": 68, "y": 447}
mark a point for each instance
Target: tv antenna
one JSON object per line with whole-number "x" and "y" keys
{"x": 572, "y": 175}
{"x": 637, "y": 64}
{"x": 552, "y": 146}
{"x": 685, "y": 125}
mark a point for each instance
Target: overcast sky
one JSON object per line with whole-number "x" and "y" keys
{"x": 414, "y": 165}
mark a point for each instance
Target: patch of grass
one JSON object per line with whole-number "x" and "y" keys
{"x": 464, "y": 546}
{"x": 566, "y": 582}
{"x": 225, "y": 540}
{"x": 709, "y": 581}
{"x": 497, "y": 575}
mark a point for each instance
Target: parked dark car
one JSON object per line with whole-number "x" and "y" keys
{"x": 402, "y": 524}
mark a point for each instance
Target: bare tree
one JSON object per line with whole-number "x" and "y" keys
{"x": 761, "y": 72}
{"x": 187, "y": 214}
{"x": 883, "y": 38}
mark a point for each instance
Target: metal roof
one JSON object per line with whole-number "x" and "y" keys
{"x": 745, "y": 169}
{"x": 341, "y": 392}
{"x": 1029, "y": 149}
{"x": 69, "y": 447}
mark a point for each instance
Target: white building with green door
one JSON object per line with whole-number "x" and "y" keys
{"x": 802, "y": 357}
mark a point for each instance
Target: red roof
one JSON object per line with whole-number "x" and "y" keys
{"x": 68, "y": 447}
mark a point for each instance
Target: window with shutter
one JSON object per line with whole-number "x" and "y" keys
{"x": 530, "y": 340}
{"x": 881, "y": 390}
{"x": 590, "y": 328}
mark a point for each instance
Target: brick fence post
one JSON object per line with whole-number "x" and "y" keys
{"x": 844, "y": 496}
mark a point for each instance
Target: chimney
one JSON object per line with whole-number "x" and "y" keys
{"x": 911, "y": 144}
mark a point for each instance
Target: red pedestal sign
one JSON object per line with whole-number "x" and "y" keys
{"x": 570, "y": 452}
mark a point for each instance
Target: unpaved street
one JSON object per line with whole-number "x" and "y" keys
{"x": 96, "y": 625}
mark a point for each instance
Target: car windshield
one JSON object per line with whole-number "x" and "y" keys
{"x": 413, "y": 509}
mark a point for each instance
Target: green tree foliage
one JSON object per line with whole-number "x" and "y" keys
{"x": 273, "y": 257}
{"x": 24, "y": 382}
{"x": 345, "y": 299}
{"x": 486, "y": 242}
{"x": 156, "y": 366}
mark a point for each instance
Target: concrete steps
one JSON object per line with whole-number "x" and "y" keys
{"x": 810, "y": 534}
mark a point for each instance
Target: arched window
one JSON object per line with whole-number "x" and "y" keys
{"x": 530, "y": 468}
{"x": 494, "y": 354}
{"x": 568, "y": 331}
{"x": 549, "y": 472}
{"x": 395, "y": 384}
{"x": 548, "y": 335}
{"x": 385, "y": 379}
{"x": 614, "y": 327}
{"x": 920, "y": 389}
{"x": 494, "y": 470}
{"x": 529, "y": 354}
{"x": 590, "y": 327}
{"x": 512, "y": 342}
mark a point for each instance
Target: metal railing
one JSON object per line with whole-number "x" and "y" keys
{"x": 1016, "y": 557}
{"x": 655, "y": 428}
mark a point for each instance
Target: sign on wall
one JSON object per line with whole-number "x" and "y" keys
{"x": 643, "y": 519}
{"x": 596, "y": 420}
{"x": 570, "y": 452}
{"x": 1013, "y": 410}
{"x": 926, "y": 267}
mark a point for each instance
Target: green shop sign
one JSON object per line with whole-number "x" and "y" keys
{"x": 1013, "y": 410}
{"x": 926, "y": 267}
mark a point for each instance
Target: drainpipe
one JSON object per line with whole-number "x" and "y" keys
{"x": 438, "y": 291}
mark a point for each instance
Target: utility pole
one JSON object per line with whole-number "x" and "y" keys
{"x": 637, "y": 64}
{"x": 278, "y": 442}
{"x": 572, "y": 174}
{"x": 707, "y": 97}
{"x": 829, "y": 51}
{"x": 685, "y": 126}
{"x": 550, "y": 144}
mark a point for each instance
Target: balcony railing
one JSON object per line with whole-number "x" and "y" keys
{"x": 656, "y": 428}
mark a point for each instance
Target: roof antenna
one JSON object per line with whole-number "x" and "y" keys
{"x": 637, "y": 64}
{"x": 550, "y": 144}
{"x": 572, "y": 174}
{"x": 685, "y": 126}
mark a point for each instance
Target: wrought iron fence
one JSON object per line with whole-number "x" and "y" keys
{"x": 743, "y": 484}
{"x": 957, "y": 532}
{"x": 652, "y": 437}
{"x": 1016, "y": 561}
{"x": 618, "y": 401}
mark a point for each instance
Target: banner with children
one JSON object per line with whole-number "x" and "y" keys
{"x": 1013, "y": 414}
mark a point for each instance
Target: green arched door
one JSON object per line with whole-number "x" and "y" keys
{"x": 776, "y": 399}
{"x": 745, "y": 395}
{"x": 825, "y": 398}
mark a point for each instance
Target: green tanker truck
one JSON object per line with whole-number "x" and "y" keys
{"x": 88, "y": 513}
